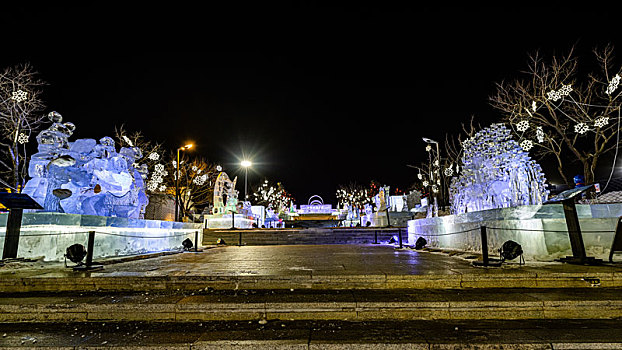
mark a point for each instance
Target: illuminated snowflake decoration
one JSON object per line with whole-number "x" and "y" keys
{"x": 526, "y": 145}
{"x": 533, "y": 106}
{"x": 22, "y": 138}
{"x": 218, "y": 168}
{"x": 581, "y": 128}
{"x": 174, "y": 164}
{"x": 613, "y": 85}
{"x": 540, "y": 134}
{"x": 158, "y": 168}
{"x": 127, "y": 140}
{"x": 553, "y": 95}
{"x": 152, "y": 186}
{"x": 434, "y": 188}
{"x": 425, "y": 183}
{"x": 19, "y": 96}
{"x": 154, "y": 156}
{"x": 449, "y": 171}
{"x": 565, "y": 90}
{"x": 522, "y": 126}
{"x": 436, "y": 162}
{"x": 195, "y": 168}
{"x": 428, "y": 148}
{"x": 600, "y": 122}
{"x": 419, "y": 176}
{"x": 200, "y": 180}
{"x": 162, "y": 188}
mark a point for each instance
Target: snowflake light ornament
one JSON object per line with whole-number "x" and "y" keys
{"x": 195, "y": 168}
{"x": 553, "y": 95}
{"x": 449, "y": 171}
{"x": 526, "y": 145}
{"x": 533, "y": 106}
{"x": 522, "y": 126}
{"x": 158, "y": 168}
{"x": 428, "y": 148}
{"x": 153, "y": 156}
{"x": 600, "y": 122}
{"x": 22, "y": 138}
{"x": 581, "y": 128}
{"x": 162, "y": 188}
{"x": 565, "y": 90}
{"x": 425, "y": 183}
{"x": 540, "y": 134}
{"x": 613, "y": 84}
{"x": 19, "y": 96}
{"x": 419, "y": 176}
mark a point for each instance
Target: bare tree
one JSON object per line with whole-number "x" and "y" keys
{"x": 273, "y": 196}
{"x": 20, "y": 104}
{"x": 563, "y": 114}
{"x": 196, "y": 182}
{"x": 353, "y": 195}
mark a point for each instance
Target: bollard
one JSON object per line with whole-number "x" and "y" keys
{"x": 196, "y": 241}
{"x": 375, "y": 236}
{"x": 240, "y": 239}
{"x": 399, "y": 236}
{"x": 484, "y": 245}
{"x": 89, "y": 249}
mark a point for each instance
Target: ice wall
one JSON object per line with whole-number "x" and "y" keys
{"x": 85, "y": 176}
{"x": 47, "y": 234}
{"x": 540, "y": 229}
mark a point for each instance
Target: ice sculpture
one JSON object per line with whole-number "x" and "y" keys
{"x": 225, "y": 187}
{"x": 85, "y": 176}
{"x": 495, "y": 173}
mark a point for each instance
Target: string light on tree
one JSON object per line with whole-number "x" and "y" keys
{"x": 19, "y": 96}
{"x": 613, "y": 84}
{"x": 581, "y": 128}
{"x": 22, "y": 138}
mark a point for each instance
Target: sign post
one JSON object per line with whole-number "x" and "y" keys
{"x": 16, "y": 203}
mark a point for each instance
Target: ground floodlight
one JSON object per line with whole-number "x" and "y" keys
{"x": 220, "y": 241}
{"x": 75, "y": 253}
{"x": 420, "y": 243}
{"x": 511, "y": 250}
{"x": 393, "y": 240}
{"x": 187, "y": 243}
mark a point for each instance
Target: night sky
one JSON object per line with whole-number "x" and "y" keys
{"x": 315, "y": 94}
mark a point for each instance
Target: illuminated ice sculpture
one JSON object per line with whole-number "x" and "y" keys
{"x": 225, "y": 195}
{"x": 85, "y": 176}
{"x": 496, "y": 173}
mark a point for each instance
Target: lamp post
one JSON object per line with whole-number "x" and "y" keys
{"x": 246, "y": 164}
{"x": 177, "y": 196}
{"x": 440, "y": 173}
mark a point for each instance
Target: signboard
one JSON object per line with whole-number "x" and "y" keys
{"x": 571, "y": 193}
{"x": 18, "y": 201}
{"x": 316, "y": 209}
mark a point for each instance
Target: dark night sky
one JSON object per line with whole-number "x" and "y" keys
{"x": 315, "y": 94}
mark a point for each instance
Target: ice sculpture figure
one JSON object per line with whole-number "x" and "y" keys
{"x": 85, "y": 176}
{"x": 225, "y": 187}
{"x": 496, "y": 173}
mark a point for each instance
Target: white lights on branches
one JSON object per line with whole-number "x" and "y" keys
{"x": 526, "y": 145}
{"x": 540, "y": 134}
{"x": 565, "y": 90}
{"x": 613, "y": 84}
{"x": 19, "y": 96}
{"x": 581, "y": 128}
{"x": 154, "y": 156}
{"x": 522, "y": 126}
{"x": 600, "y": 122}
{"x": 22, "y": 138}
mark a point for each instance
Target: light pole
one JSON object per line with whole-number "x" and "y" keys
{"x": 177, "y": 196}
{"x": 246, "y": 164}
{"x": 440, "y": 173}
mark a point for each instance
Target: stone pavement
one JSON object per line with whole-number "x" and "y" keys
{"x": 305, "y": 335}
{"x": 305, "y": 267}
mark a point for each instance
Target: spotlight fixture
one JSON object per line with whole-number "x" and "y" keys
{"x": 393, "y": 240}
{"x": 187, "y": 244}
{"x": 420, "y": 243}
{"x": 76, "y": 253}
{"x": 510, "y": 250}
{"x": 220, "y": 241}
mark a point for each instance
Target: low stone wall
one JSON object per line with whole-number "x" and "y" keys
{"x": 540, "y": 230}
{"x": 47, "y": 235}
{"x": 304, "y": 236}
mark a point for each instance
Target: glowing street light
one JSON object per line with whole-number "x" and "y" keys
{"x": 177, "y": 197}
{"x": 246, "y": 164}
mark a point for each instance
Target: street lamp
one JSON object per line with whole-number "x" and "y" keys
{"x": 440, "y": 173}
{"x": 246, "y": 164}
{"x": 177, "y": 196}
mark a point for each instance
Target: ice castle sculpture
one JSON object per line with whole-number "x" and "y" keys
{"x": 85, "y": 176}
{"x": 496, "y": 173}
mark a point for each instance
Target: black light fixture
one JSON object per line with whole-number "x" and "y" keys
{"x": 187, "y": 243}
{"x": 220, "y": 241}
{"x": 75, "y": 253}
{"x": 510, "y": 250}
{"x": 420, "y": 243}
